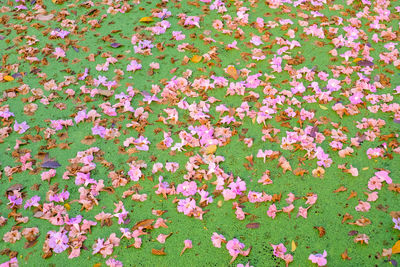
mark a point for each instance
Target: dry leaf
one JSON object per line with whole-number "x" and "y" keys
{"x": 340, "y": 189}
{"x": 396, "y": 247}
{"x": 394, "y": 187}
{"x": 147, "y": 224}
{"x": 323, "y": 107}
{"x": 347, "y": 217}
{"x": 42, "y": 17}
{"x": 8, "y": 78}
{"x": 253, "y": 225}
{"x": 345, "y": 256}
{"x": 196, "y": 58}
{"x": 352, "y": 194}
{"x": 300, "y": 172}
{"x": 88, "y": 140}
{"x": 97, "y": 264}
{"x": 146, "y": 19}
{"x": 233, "y": 72}
{"x": 211, "y": 149}
{"x": 361, "y": 222}
{"x": 321, "y": 230}
{"x": 294, "y": 246}
{"x": 158, "y": 252}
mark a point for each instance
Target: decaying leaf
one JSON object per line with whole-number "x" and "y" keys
{"x": 253, "y": 225}
{"x": 347, "y": 217}
{"x": 17, "y": 187}
{"x": 51, "y": 164}
{"x": 88, "y": 140}
{"x": 321, "y": 230}
{"x": 42, "y": 17}
{"x": 361, "y": 222}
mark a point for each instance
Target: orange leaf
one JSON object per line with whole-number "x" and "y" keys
{"x": 144, "y": 223}
{"x": 347, "y": 217}
{"x": 158, "y": 252}
{"x": 233, "y": 72}
{"x": 8, "y": 78}
{"x": 146, "y": 19}
{"x": 321, "y": 230}
{"x": 345, "y": 256}
{"x": 196, "y": 58}
{"x": 396, "y": 248}
{"x": 340, "y": 189}
{"x": 352, "y": 194}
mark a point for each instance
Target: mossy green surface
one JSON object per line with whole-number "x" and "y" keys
{"x": 327, "y": 212}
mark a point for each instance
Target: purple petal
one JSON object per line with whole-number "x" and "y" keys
{"x": 51, "y": 164}
{"x": 365, "y": 63}
{"x": 116, "y": 45}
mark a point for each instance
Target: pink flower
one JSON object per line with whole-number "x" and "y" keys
{"x": 58, "y": 241}
{"x": 188, "y": 244}
{"x": 384, "y": 176}
{"x": 318, "y": 258}
{"x": 279, "y": 250}
{"x": 363, "y": 206}
{"x": 356, "y": 98}
{"x": 114, "y": 263}
{"x": 235, "y": 248}
{"x": 21, "y": 127}
{"x": 302, "y": 212}
{"x": 46, "y": 176}
{"x": 186, "y": 205}
{"x": 133, "y": 66}
{"x": 59, "y": 52}
{"x": 272, "y": 211}
{"x": 217, "y": 239}
{"x": 161, "y": 238}
{"x": 187, "y": 188}
{"x": 374, "y": 183}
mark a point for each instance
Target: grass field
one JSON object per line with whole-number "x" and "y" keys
{"x": 128, "y": 127}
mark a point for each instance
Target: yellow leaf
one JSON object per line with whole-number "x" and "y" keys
{"x": 365, "y": 168}
{"x": 396, "y": 248}
{"x": 357, "y": 59}
{"x": 146, "y": 19}
{"x": 232, "y": 71}
{"x": 196, "y": 58}
{"x": 293, "y": 246}
{"x": 97, "y": 265}
{"x": 323, "y": 107}
{"x": 8, "y": 78}
{"x": 67, "y": 206}
{"x": 211, "y": 149}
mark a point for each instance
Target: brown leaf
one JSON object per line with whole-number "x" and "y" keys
{"x": 30, "y": 244}
{"x": 17, "y": 187}
{"x": 300, "y": 172}
{"x": 361, "y": 222}
{"x": 88, "y": 140}
{"x": 321, "y": 230}
{"x": 47, "y": 255}
{"x": 394, "y": 187}
{"x": 347, "y": 217}
{"x": 158, "y": 252}
{"x": 147, "y": 224}
{"x": 253, "y": 225}
{"x": 345, "y": 256}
